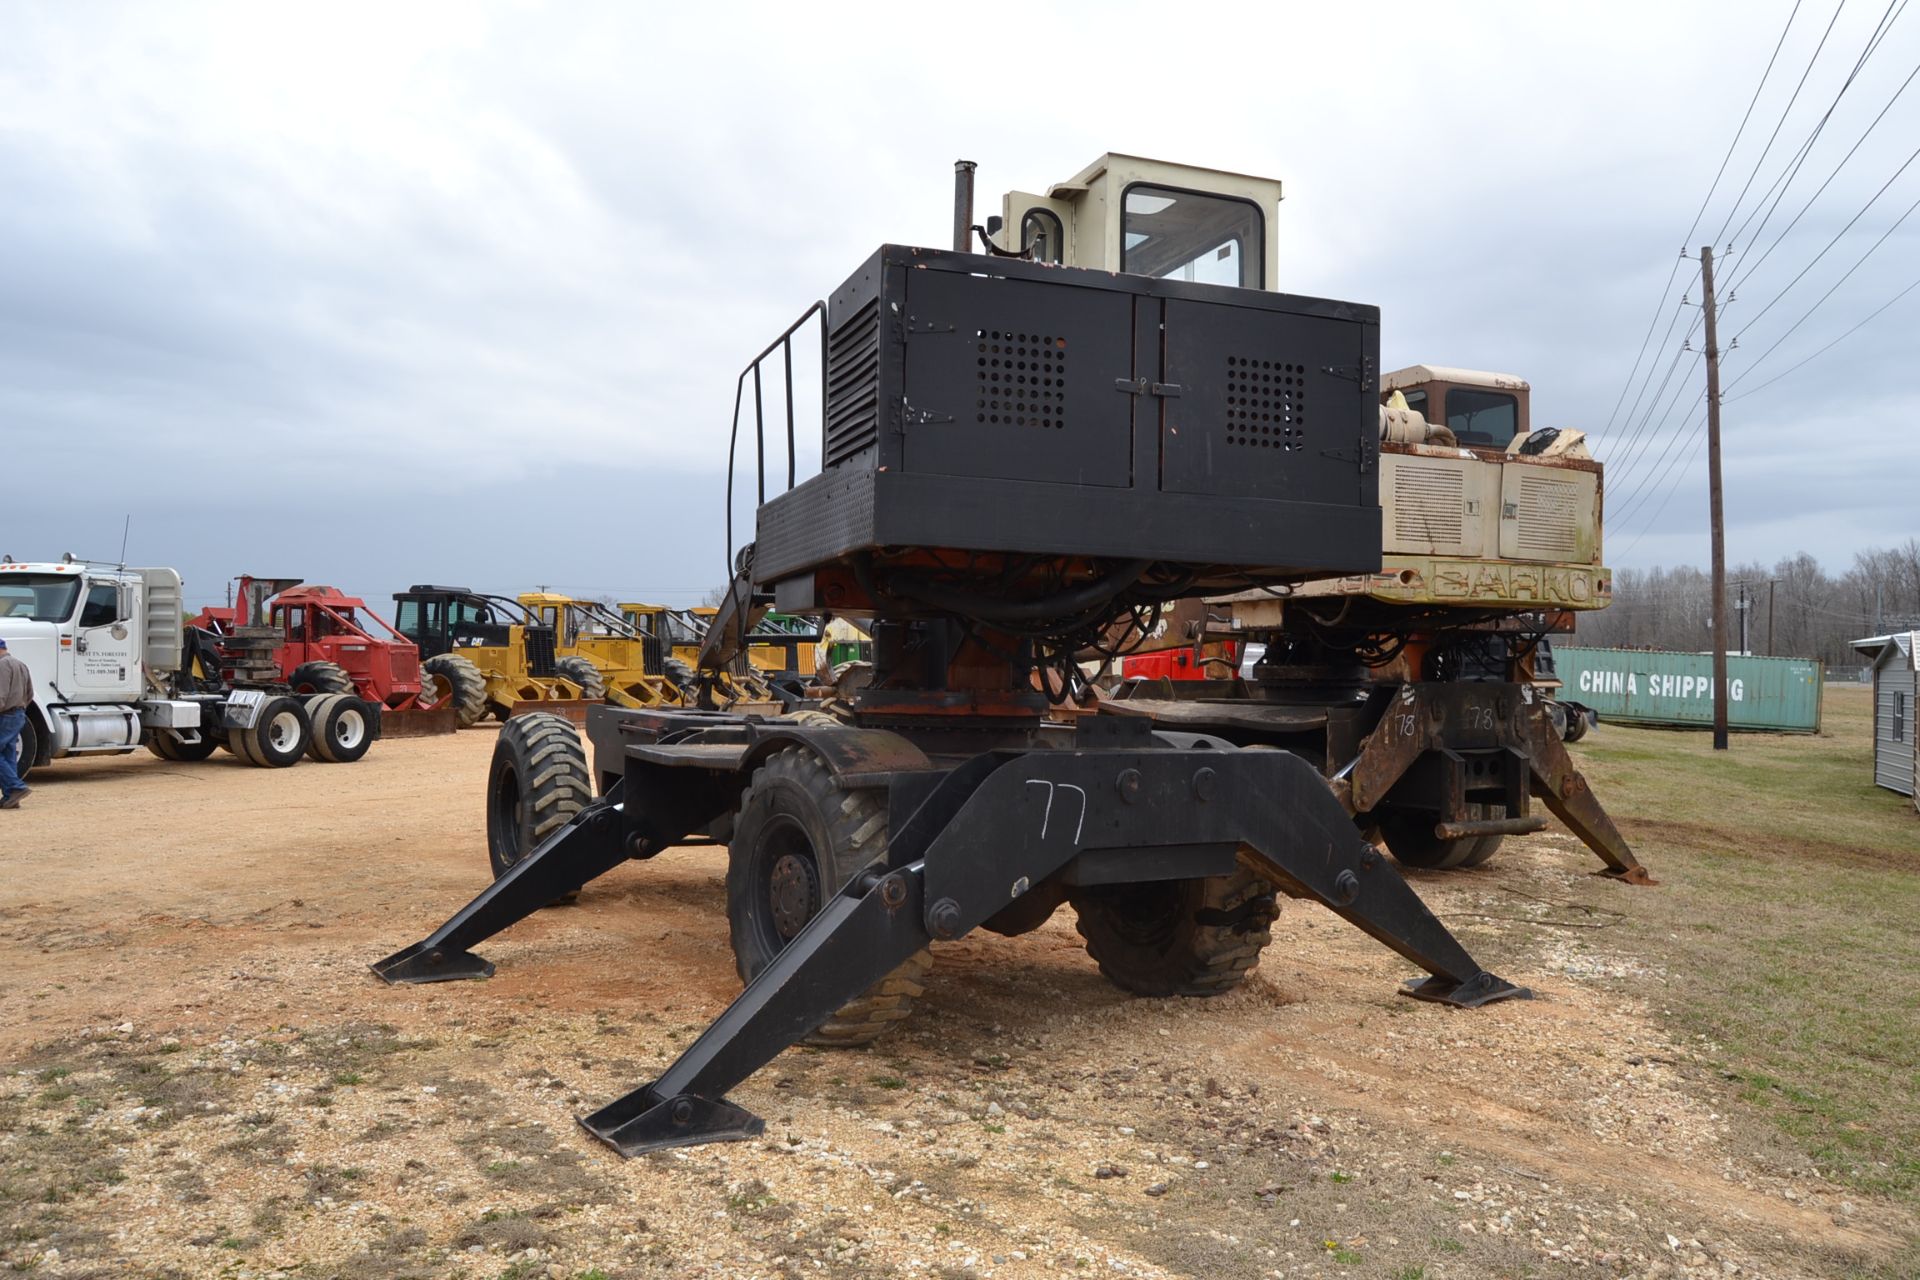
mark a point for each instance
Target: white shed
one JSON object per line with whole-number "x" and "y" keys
{"x": 1896, "y": 746}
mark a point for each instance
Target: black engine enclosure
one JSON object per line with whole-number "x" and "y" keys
{"x": 991, "y": 404}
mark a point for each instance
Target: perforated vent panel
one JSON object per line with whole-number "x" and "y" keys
{"x": 1022, "y": 379}
{"x": 1549, "y": 517}
{"x": 853, "y": 385}
{"x": 1266, "y": 404}
{"x": 1429, "y": 506}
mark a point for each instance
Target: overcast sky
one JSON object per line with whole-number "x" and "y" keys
{"x": 458, "y": 292}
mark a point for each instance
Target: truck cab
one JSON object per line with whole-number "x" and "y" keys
{"x": 90, "y": 634}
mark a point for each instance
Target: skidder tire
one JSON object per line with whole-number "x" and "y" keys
{"x": 468, "y": 685}
{"x": 1195, "y": 937}
{"x": 538, "y": 781}
{"x": 797, "y": 839}
{"x": 344, "y": 728}
{"x": 682, "y": 675}
{"x": 279, "y": 737}
{"x": 593, "y": 685}
{"x": 320, "y": 677}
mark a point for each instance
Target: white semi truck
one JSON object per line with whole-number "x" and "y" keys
{"x": 115, "y": 668}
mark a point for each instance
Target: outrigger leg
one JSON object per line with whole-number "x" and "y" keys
{"x": 590, "y": 845}
{"x": 997, "y": 826}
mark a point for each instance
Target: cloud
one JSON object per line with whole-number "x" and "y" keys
{"x": 394, "y": 278}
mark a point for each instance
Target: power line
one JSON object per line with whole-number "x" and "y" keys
{"x": 1720, "y": 237}
{"x": 1666, "y": 288}
{"x": 1672, "y": 487}
{"x": 1784, "y": 182}
{"x": 1838, "y": 236}
{"x": 1761, "y": 359}
{"x": 1830, "y": 346}
{"x": 1756, "y": 264}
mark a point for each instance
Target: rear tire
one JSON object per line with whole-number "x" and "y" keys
{"x": 320, "y": 677}
{"x": 537, "y": 782}
{"x": 1194, "y": 937}
{"x": 593, "y": 685}
{"x": 344, "y": 728}
{"x": 797, "y": 840}
{"x": 278, "y": 738}
{"x": 468, "y": 685}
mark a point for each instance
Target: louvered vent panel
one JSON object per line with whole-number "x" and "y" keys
{"x": 1549, "y": 518}
{"x": 1429, "y": 505}
{"x": 853, "y": 385}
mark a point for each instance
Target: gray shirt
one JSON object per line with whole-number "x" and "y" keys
{"x": 16, "y": 684}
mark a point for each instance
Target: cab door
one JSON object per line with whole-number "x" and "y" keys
{"x": 106, "y": 648}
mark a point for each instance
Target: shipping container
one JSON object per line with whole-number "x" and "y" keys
{"x": 1639, "y": 686}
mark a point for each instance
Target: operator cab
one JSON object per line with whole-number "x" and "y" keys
{"x": 1483, "y": 410}
{"x": 1150, "y": 218}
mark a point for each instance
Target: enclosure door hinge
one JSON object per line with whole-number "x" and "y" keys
{"x": 1360, "y": 374}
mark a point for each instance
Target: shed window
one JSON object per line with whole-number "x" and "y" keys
{"x": 1899, "y": 717}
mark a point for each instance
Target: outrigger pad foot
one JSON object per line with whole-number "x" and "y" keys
{"x": 418, "y": 963}
{"x": 1481, "y": 988}
{"x": 643, "y": 1121}
{"x": 1635, "y": 874}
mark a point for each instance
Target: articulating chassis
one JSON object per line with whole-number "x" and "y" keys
{"x": 1021, "y": 461}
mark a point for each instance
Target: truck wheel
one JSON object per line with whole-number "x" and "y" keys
{"x": 1410, "y": 838}
{"x": 593, "y": 685}
{"x": 28, "y": 745}
{"x": 538, "y": 780}
{"x": 797, "y": 839}
{"x": 1194, "y": 937}
{"x": 278, "y": 738}
{"x": 320, "y": 677}
{"x": 343, "y": 728}
{"x": 168, "y": 747}
{"x": 468, "y": 687}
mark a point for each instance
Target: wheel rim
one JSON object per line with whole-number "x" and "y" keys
{"x": 790, "y": 874}
{"x": 349, "y": 729}
{"x": 283, "y": 731}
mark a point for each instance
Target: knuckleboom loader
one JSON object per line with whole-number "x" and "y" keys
{"x": 116, "y": 668}
{"x": 1030, "y": 454}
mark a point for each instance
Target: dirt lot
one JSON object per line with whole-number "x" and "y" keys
{"x": 203, "y": 1079}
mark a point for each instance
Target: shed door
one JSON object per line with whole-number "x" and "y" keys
{"x": 1893, "y": 736}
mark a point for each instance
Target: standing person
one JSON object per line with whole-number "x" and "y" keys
{"x": 16, "y": 691}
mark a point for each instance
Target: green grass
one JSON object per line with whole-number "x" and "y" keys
{"x": 1787, "y": 926}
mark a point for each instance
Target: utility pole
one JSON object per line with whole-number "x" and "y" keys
{"x": 1770, "y": 582}
{"x": 1713, "y": 499}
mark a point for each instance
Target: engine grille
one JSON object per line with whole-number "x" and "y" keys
{"x": 1548, "y": 518}
{"x": 853, "y": 385}
{"x": 539, "y": 651}
{"x": 1429, "y": 505}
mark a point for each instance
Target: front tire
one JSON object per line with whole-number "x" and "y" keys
{"x": 537, "y": 782}
{"x": 797, "y": 840}
{"x": 28, "y": 745}
{"x": 1199, "y": 936}
{"x": 467, "y": 686}
{"x": 593, "y": 685}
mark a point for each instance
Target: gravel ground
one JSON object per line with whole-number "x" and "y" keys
{"x": 203, "y": 1079}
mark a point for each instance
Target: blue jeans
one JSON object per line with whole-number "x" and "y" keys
{"x": 11, "y": 723}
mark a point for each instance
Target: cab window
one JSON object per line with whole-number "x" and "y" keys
{"x": 1486, "y": 418}
{"x": 1040, "y": 232}
{"x": 1185, "y": 235}
{"x": 102, "y": 608}
{"x": 1416, "y": 401}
